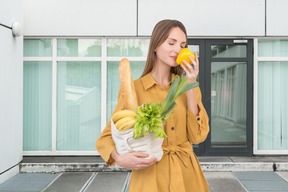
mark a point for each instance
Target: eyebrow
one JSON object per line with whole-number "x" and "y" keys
{"x": 176, "y": 40}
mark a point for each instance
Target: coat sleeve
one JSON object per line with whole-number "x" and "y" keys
{"x": 105, "y": 144}
{"x": 197, "y": 126}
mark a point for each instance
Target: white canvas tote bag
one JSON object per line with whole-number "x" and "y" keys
{"x": 125, "y": 143}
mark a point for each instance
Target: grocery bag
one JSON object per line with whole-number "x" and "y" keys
{"x": 125, "y": 143}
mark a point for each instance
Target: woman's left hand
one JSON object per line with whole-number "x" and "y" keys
{"x": 191, "y": 73}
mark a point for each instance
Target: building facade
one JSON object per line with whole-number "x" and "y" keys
{"x": 11, "y": 89}
{"x": 71, "y": 52}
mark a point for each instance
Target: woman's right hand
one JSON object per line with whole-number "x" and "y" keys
{"x": 133, "y": 160}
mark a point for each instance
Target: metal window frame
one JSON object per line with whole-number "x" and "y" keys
{"x": 233, "y": 150}
{"x": 205, "y": 148}
{"x": 54, "y": 59}
{"x": 257, "y": 151}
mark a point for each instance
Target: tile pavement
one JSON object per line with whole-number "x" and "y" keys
{"x": 224, "y": 174}
{"x": 117, "y": 182}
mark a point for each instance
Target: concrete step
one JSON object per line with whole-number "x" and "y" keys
{"x": 96, "y": 164}
{"x": 102, "y": 167}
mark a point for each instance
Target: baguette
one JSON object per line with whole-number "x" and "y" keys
{"x": 127, "y": 85}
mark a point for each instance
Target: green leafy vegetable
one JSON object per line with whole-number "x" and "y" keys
{"x": 177, "y": 88}
{"x": 151, "y": 116}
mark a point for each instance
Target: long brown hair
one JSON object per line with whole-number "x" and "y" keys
{"x": 159, "y": 35}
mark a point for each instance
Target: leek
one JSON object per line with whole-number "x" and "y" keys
{"x": 151, "y": 116}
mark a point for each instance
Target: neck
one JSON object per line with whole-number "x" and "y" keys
{"x": 161, "y": 74}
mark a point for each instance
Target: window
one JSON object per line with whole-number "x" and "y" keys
{"x": 272, "y": 104}
{"x": 37, "y": 105}
{"x": 78, "y": 105}
{"x": 228, "y": 93}
{"x": 71, "y": 88}
{"x": 123, "y": 48}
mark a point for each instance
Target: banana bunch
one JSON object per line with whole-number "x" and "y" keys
{"x": 124, "y": 119}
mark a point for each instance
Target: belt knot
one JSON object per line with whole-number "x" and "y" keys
{"x": 171, "y": 149}
{"x": 174, "y": 149}
{"x": 178, "y": 154}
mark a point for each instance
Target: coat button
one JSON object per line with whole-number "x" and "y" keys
{"x": 172, "y": 128}
{"x": 198, "y": 119}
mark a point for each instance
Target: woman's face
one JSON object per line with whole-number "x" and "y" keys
{"x": 168, "y": 51}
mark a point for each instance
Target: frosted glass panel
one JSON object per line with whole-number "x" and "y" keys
{"x": 78, "y": 105}
{"x": 228, "y": 103}
{"x": 127, "y": 47}
{"x": 113, "y": 82}
{"x": 37, "y": 106}
{"x": 273, "y": 48}
{"x": 272, "y": 106}
{"x": 228, "y": 51}
{"x": 37, "y": 48}
{"x": 79, "y": 47}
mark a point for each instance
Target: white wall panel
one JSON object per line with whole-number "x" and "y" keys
{"x": 7, "y": 17}
{"x": 206, "y": 17}
{"x": 277, "y": 18}
{"x": 80, "y": 18}
{"x": 11, "y": 88}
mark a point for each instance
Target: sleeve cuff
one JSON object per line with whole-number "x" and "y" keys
{"x": 105, "y": 153}
{"x": 108, "y": 159}
{"x": 194, "y": 118}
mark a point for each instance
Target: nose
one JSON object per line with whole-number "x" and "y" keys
{"x": 178, "y": 49}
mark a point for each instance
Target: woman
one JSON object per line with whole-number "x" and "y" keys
{"x": 179, "y": 169}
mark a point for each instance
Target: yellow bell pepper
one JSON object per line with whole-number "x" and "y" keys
{"x": 184, "y": 55}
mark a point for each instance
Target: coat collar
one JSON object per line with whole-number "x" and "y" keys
{"x": 148, "y": 81}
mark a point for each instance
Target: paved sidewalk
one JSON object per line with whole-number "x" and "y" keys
{"x": 119, "y": 182}
{"x": 91, "y": 174}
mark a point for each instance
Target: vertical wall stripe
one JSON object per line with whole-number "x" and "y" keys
{"x": 137, "y": 10}
{"x": 265, "y": 17}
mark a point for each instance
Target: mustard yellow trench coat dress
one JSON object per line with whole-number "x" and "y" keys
{"x": 179, "y": 169}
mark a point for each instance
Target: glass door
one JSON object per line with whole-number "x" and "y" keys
{"x": 226, "y": 81}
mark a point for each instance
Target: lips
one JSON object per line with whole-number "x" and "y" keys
{"x": 174, "y": 57}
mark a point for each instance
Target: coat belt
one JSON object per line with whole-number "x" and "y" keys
{"x": 177, "y": 154}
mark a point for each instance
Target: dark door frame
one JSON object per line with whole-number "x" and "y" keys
{"x": 205, "y": 61}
